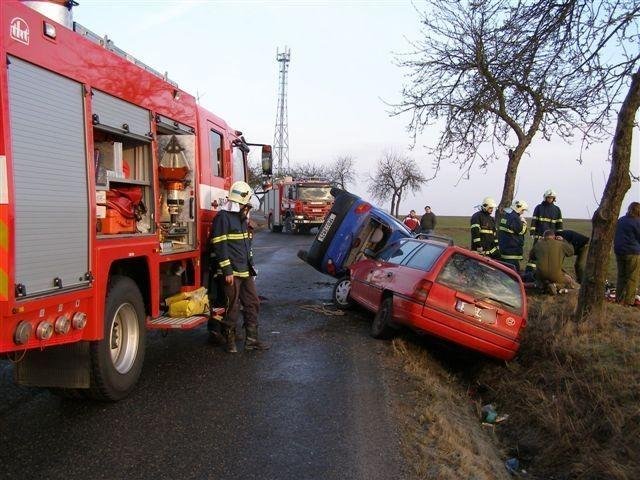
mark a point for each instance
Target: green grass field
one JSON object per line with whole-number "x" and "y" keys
{"x": 458, "y": 229}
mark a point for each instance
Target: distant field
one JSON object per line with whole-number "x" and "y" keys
{"x": 458, "y": 229}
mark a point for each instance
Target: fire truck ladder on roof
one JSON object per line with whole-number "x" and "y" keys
{"x": 107, "y": 43}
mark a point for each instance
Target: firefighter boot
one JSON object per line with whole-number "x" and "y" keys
{"x": 230, "y": 339}
{"x": 251, "y": 341}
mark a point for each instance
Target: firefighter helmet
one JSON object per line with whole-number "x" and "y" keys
{"x": 519, "y": 206}
{"x": 550, "y": 193}
{"x": 240, "y": 192}
{"x": 488, "y": 203}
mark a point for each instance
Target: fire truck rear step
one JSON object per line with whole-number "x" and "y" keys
{"x": 165, "y": 322}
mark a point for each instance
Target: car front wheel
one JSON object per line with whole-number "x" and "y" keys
{"x": 341, "y": 291}
{"x": 381, "y": 327}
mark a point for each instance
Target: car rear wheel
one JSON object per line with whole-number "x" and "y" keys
{"x": 341, "y": 291}
{"x": 381, "y": 326}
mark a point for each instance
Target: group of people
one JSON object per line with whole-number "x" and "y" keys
{"x": 425, "y": 224}
{"x": 552, "y": 244}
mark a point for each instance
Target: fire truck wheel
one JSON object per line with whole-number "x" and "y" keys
{"x": 288, "y": 224}
{"x": 341, "y": 293}
{"x": 272, "y": 227}
{"x": 116, "y": 360}
{"x": 381, "y": 326}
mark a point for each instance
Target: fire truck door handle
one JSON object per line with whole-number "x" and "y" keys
{"x": 191, "y": 205}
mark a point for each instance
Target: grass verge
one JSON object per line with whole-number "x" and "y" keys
{"x": 572, "y": 395}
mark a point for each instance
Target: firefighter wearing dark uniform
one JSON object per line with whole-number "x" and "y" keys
{"x": 232, "y": 248}
{"x": 511, "y": 234}
{"x": 546, "y": 216}
{"x": 484, "y": 239}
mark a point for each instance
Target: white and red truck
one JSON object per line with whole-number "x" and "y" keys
{"x": 110, "y": 176}
{"x": 297, "y": 204}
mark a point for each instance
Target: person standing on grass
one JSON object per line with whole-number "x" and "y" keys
{"x": 546, "y": 216}
{"x": 626, "y": 246}
{"x": 428, "y": 221}
{"x": 484, "y": 237}
{"x": 412, "y": 222}
{"x": 511, "y": 234}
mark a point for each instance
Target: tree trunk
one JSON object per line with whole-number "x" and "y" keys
{"x": 393, "y": 203}
{"x": 510, "y": 177}
{"x": 398, "y": 203}
{"x": 591, "y": 297}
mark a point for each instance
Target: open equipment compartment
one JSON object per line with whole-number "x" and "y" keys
{"x": 176, "y": 156}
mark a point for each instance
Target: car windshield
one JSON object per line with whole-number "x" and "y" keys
{"x": 315, "y": 194}
{"x": 481, "y": 281}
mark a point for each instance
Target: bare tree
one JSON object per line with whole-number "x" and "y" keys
{"x": 255, "y": 179}
{"x": 395, "y": 174}
{"x": 493, "y": 73}
{"x": 342, "y": 171}
{"x": 308, "y": 170}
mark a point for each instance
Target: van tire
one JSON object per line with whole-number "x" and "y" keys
{"x": 116, "y": 360}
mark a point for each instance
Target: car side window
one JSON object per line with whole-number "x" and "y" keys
{"x": 481, "y": 281}
{"x": 398, "y": 252}
{"x": 425, "y": 257}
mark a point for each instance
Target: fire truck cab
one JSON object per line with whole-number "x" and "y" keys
{"x": 110, "y": 177}
{"x": 297, "y": 205}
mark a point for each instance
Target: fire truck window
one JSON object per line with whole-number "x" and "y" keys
{"x": 215, "y": 153}
{"x": 238, "y": 165}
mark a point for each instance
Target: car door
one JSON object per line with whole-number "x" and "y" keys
{"x": 388, "y": 268}
{"x": 410, "y": 283}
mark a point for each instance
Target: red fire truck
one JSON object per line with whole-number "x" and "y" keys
{"x": 110, "y": 176}
{"x": 297, "y": 205}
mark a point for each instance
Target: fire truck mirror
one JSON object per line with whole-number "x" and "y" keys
{"x": 290, "y": 193}
{"x": 267, "y": 160}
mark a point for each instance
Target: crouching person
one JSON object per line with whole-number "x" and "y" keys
{"x": 548, "y": 254}
{"x": 232, "y": 246}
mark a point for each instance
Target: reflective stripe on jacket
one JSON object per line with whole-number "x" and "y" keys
{"x": 483, "y": 233}
{"x": 546, "y": 216}
{"x": 231, "y": 244}
{"x": 511, "y": 235}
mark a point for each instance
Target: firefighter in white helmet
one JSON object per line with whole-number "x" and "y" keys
{"x": 231, "y": 244}
{"x": 484, "y": 238}
{"x": 546, "y": 216}
{"x": 511, "y": 233}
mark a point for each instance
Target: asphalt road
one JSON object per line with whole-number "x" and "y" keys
{"x": 318, "y": 405}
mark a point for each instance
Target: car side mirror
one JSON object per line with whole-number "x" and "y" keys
{"x": 369, "y": 253}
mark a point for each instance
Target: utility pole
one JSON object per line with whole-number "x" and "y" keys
{"x": 281, "y": 135}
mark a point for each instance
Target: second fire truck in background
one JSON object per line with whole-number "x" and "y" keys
{"x": 297, "y": 205}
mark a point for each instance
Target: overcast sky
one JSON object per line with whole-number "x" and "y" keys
{"x": 341, "y": 72}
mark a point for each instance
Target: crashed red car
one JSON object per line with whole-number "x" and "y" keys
{"x": 444, "y": 290}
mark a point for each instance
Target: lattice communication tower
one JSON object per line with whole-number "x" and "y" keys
{"x": 281, "y": 135}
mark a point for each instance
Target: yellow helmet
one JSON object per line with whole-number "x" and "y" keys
{"x": 488, "y": 203}
{"x": 240, "y": 192}
{"x": 519, "y": 206}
